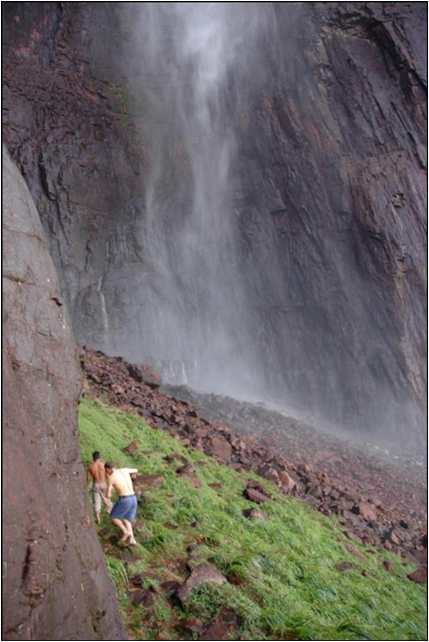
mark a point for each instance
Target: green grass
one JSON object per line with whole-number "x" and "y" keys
{"x": 285, "y": 584}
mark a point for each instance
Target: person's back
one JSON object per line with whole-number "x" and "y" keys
{"x": 97, "y": 471}
{"x": 121, "y": 481}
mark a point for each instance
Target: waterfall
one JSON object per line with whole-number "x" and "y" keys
{"x": 195, "y": 311}
{"x": 104, "y": 317}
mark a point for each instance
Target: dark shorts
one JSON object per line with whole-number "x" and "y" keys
{"x": 125, "y": 508}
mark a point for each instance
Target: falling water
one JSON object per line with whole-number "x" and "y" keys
{"x": 229, "y": 279}
{"x": 104, "y": 316}
{"x": 195, "y": 312}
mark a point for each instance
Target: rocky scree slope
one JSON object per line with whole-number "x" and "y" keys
{"x": 330, "y": 179}
{"x": 54, "y": 575}
{"x": 398, "y": 525}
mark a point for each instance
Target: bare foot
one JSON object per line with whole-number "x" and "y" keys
{"x": 124, "y": 539}
{"x": 132, "y": 542}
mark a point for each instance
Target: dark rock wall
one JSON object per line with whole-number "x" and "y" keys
{"x": 329, "y": 184}
{"x": 55, "y": 583}
{"x": 339, "y": 142}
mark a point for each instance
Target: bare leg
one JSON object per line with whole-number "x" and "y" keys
{"x": 119, "y": 524}
{"x": 129, "y": 528}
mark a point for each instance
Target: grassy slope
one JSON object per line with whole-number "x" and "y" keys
{"x": 289, "y": 586}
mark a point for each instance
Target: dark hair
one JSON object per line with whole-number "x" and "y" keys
{"x": 108, "y": 465}
{"x": 96, "y": 455}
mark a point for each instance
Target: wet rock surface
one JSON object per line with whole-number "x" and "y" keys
{"x": 377, "y": 502}
{"x": 328, "y": 191}
{"x": 55, "y": 581}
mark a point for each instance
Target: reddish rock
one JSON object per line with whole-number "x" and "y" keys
{"x": 420, "y": 575}
{"x": 202, "y": 574}
{"x": 304, "y": 469}
{"x": 144, "y": 374}
{"x": 314, "y": 490}
{"x": 220, "y": 448}
{"x": 132, "y": 448}
{"x": 188, "y": 472}
{"x": 193, "y": 624}
{"x": 222, "y": 627}
{"x": 287, "y": 483}
{"x": 269, "y": 473}
{"x": 255, "y": 495}
{"x": 354, "y": 551}
{"x": 137, "y": 580}
{"x": 367, "y": 512}
{"x": 393, "y": 537}
{"x": 145, "y": 597}
{"x": 253, "y": 513}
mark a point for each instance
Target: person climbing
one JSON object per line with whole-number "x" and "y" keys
{"x": 97, "y": 475}
{"x": 124, "y": 510}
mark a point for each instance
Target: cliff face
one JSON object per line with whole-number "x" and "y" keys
{"x": 55, "y": 579}
{"x": 326, "y": 107}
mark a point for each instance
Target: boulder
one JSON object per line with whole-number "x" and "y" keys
{"x": 188, "y": 472}
{"x": 144, "y": 374}
{"x": 255, "y": 495}
{"x": 367, "y": 511}
{"x": 269, "y": 473}
{"x": 253, "y": 513}
{"x": 202, "y": 574}
{"x": 354, "y": 551}
{"x": 132, "y": 448}
{"x": 220, "y": 448}
{"x": 420, "y": 575}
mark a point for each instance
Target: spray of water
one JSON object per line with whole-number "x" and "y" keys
{"x": 195, "y": 316}
{"x": 216, "y": 298}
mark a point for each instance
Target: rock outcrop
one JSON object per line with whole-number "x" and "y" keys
{"x": 328, "y": 114}
{"x": 55, "y": 583}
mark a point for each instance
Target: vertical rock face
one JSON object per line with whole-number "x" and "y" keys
{"x": 56, "y": 585}
{"x": 325, "y": 107}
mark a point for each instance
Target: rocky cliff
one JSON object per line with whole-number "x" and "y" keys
{"x": 326, "y": 106}
{"x": 55, "y": 580}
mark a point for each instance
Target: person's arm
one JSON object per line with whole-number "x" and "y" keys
{"x": 109, "y": 490}
{"x": 89, "y": 479}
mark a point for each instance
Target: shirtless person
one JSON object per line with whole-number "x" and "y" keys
{"x": 125, "y": 508}
{"x": 97, "y": 474}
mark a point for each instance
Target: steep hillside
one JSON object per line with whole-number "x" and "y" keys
{"x": 211, "y": 564}
{"x": 378, "y": 501}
